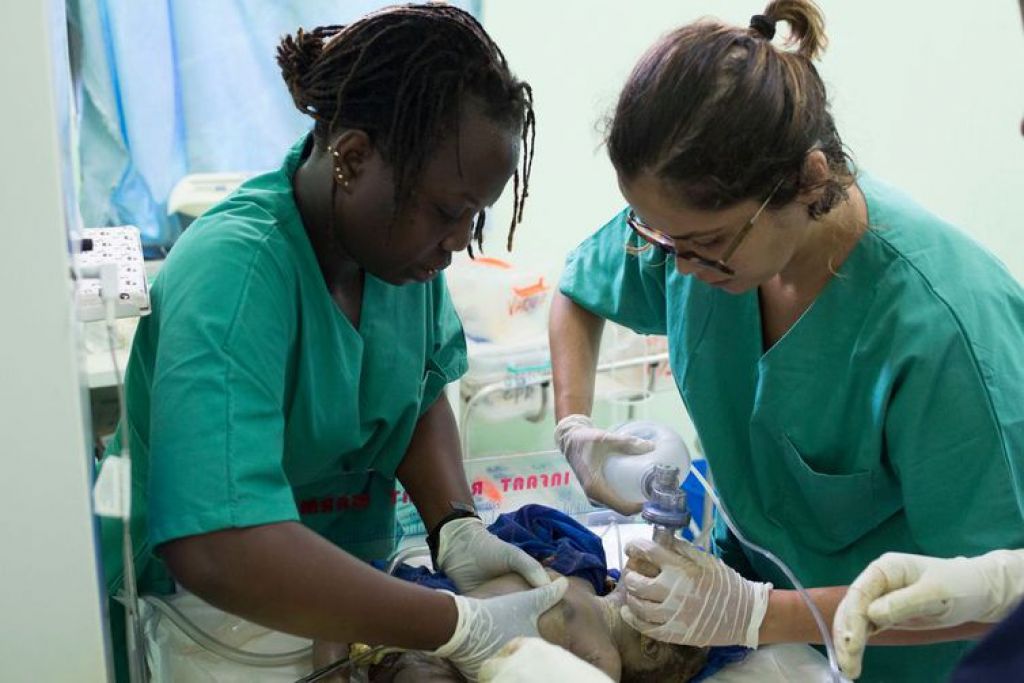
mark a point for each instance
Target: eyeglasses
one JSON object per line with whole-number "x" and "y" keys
{"x": 668, "y": 245}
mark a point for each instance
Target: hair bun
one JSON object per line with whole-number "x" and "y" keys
{"x": 763, "y": 25}
{"x": 297, "y": 55}
{"x": 806, "y": 25}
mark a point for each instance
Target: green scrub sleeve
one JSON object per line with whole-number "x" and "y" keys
{"x": 217, "y": 427}
{"x": 448, "y": 361}
{"x": 950, "y": 443}
{"x": 616, "y": 275}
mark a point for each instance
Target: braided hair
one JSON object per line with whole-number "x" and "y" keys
{"x": 402, "y": 75}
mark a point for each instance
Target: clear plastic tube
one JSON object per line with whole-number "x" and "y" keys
{"x": 618, "y": 545}
{"x": 819, "y": 619}
{"x": 217, "y": 647}
{"x": 260, "y": 659}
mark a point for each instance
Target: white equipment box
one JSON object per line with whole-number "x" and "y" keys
{"x": 197, "y": 192}
{"x": 120, "y": 245}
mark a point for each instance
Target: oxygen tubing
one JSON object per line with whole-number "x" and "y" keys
{"x": 819, "y": 619}
{"x": 217, "y": 647}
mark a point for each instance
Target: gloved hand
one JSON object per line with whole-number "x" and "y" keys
{"x": 485, "y": 626}
{"x": 696, "y": 599}
{"x": 526, "y": 660}
{"x": 470, "y": 555}
{"x": 586, "y": 447}
{"x": 914, "y": 592}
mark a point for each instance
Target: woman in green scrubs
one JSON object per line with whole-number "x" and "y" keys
{"x": 301, "y": 338}
{"x": 854, "y": 366}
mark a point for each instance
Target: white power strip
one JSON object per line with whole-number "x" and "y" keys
{"x": 120, "y": 245}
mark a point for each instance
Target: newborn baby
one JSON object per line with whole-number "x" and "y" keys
{"x": 584, "y": 623}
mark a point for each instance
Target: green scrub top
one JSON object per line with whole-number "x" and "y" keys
{"x": 890, "y": 417}
{"x": 252, "y": 399}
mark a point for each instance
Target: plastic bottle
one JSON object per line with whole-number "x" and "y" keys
{"x": 630, "y": 475}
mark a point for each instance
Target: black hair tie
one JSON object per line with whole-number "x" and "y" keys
{"x": 763, "y": 25}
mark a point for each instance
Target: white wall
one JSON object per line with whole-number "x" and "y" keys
{"x": 51, "y": 628}
{"x": 927, "y": 96}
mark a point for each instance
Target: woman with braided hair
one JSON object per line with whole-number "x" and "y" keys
{"x": 301, "y": 338}
{"x": 852, "y": 363}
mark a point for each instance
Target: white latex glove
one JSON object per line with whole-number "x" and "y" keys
{"x": 485, "y": 626}
{"x": 914, "y": 592}
{"x": 586, "y": 447}
{"x": 470, "y": 555}
{"x": 696, "y": 599}
{"x": 527, "y": 660}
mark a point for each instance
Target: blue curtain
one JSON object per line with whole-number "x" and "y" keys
{"x": 170, "y": 87}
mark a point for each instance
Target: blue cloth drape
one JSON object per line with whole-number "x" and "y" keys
{"x": 170, "y": 88}
{"x": 548, "y": 535}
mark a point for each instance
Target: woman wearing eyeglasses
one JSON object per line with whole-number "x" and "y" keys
{"x": 854, "y": 366}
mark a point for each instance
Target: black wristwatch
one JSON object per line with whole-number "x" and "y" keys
{"x": 459, "y": 511}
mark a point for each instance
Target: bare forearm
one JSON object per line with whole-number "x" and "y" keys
{"x": 432, "y": 471}
{"x": 288, "y": 578}
{"x": 575, "y": 339}
{"x": 788, "y": 620}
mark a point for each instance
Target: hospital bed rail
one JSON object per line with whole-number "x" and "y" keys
{"x": 543, "y": 380}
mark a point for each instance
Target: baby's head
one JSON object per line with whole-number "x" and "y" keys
{"x": 644, "y": 659}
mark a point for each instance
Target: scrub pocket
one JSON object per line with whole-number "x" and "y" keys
{"x": 827, "y": 512}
